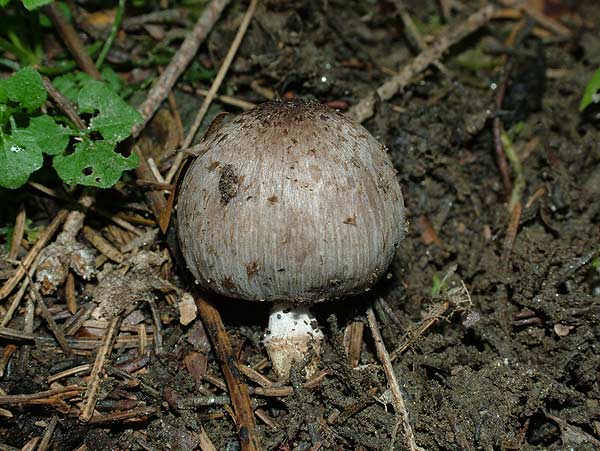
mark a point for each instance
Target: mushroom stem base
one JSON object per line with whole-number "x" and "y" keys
{"x": 293, "y": 337}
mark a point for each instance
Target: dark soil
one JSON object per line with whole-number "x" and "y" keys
{"x": 517, "y": 369}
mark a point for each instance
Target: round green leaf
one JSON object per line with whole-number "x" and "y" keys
{"x": 20, "y": 156}
{"x": 94, "y": 163}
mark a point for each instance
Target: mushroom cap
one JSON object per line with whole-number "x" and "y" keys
{"x": 290, "y": 201}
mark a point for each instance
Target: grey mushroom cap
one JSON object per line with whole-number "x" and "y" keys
{"x": 290, "y": 201}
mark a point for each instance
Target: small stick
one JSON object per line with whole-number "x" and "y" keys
{"x": 13, "y": 334}
{"x": 546, "y": 22}
{"x": 366, "y": 106}
{"x": 397, "y": 398}
{"x": 85, "y": 208}
{"x": 31, "y": 444}
{"x": 229, "y": 100}
{"x": 157, "y": 175}
{"x": 76, "y": 321}
{"x": 48, "y": 433}
{"x": 116, "y": 416}
{"x": 16, "y": 300}
{"x": 354, "y": 332}
{"x": 70, "y": 294}
{"x": 136, "y": 220}
{"x": 70, "y": 372}
{"x": 144, "y": 386}
{"x": 154, "y": 186}
{"x": 238, "y": 390}
{"x": 255, "y": 376}
{"x": 64, "y": 104}
{"x": 179, "y": 62}
{"x": 156, "y": 199}
{"x": 288, "y": 390}
{"x": 414, "y": 34}
{"x": 216, "y": 84}
{"x": 18, "y": 232}
{"x": 445, "y": 9}
{"x": 215, "y": 381}
{"x": 279, "y": 392}
{"x": 28, "y": 329}
{"x": 157, "y": 327}
{"x": 433, "y": 316}
{"x": 117, "y": 219}
{"x": 511, "y": 234}
{"x": 103, "y": 246}
{"x": 40, "y": 397}
{"x": 389, "y": 311}
{"x": 94, "y": 382}
{"x": 519, "y": 184}
{"x": 72, "y": 41}
{"x": 56, "y": 331}
{"x": 143, "y": 339}
{"x": 167, "y": 17}
{"x": 264, "y": 416}
{"x": 32, "y": 254}
{"x": 205, "y": 442}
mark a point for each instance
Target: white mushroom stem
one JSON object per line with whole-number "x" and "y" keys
{"x": 292, "y": 337}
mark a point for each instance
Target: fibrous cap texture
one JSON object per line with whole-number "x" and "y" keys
{"x": 290, "y": 201}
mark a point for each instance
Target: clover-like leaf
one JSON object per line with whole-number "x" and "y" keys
{"x": 94, "y": 163}
{"x": 591, "y": 94}
{"x": 49, "y": 136}
{"x": 25, "y": 87}
{"x": 20, "y": 156}
{"x": 21, "y": 151}
{"x": 69, "y": 84}
{"x": 34, "y": 4}
{"x": 115, "y": 117}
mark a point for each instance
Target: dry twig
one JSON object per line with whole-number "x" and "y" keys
{"x": 212, "y": 92}
{"x": 101, "y": 356}
{"x": 32, "y": 254}
{"x": 43, "y": 397}
{"x": 397, "y": 398}
{"x": 366, "y": 107}
{"x": 48, "y": 433}
{"x": 16, "y": 300}
{"x": 65, "y": 105}
{"x": 18, "y": 232}
{"x": 102, "y": 245}
{"x": 511, "y": 234}
{"x": 56, "y": 331}
{"x": 237, "y": 388}
{"x": 72, "y": 40}
{"x": 180, "y": 61}
{"x": 353, "y": 339}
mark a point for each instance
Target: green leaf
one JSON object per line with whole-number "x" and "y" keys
{"x": 115, "y": 117}
{"x": 49, "y": 136}
{"x": 33, "y": 4}
{"x": 3, "y": 3}
{"x": 19, "y": 157}
{"x": 94, "y": 163}
{"x": 24, "y": 87}
{"x": 69, "y": 84}
{"x": 21, "y": 151}
{"x": 590, "y": 95}
{"x": 112, "y": 79}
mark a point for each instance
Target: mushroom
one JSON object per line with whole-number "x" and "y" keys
{"x": 291, "y": 203}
